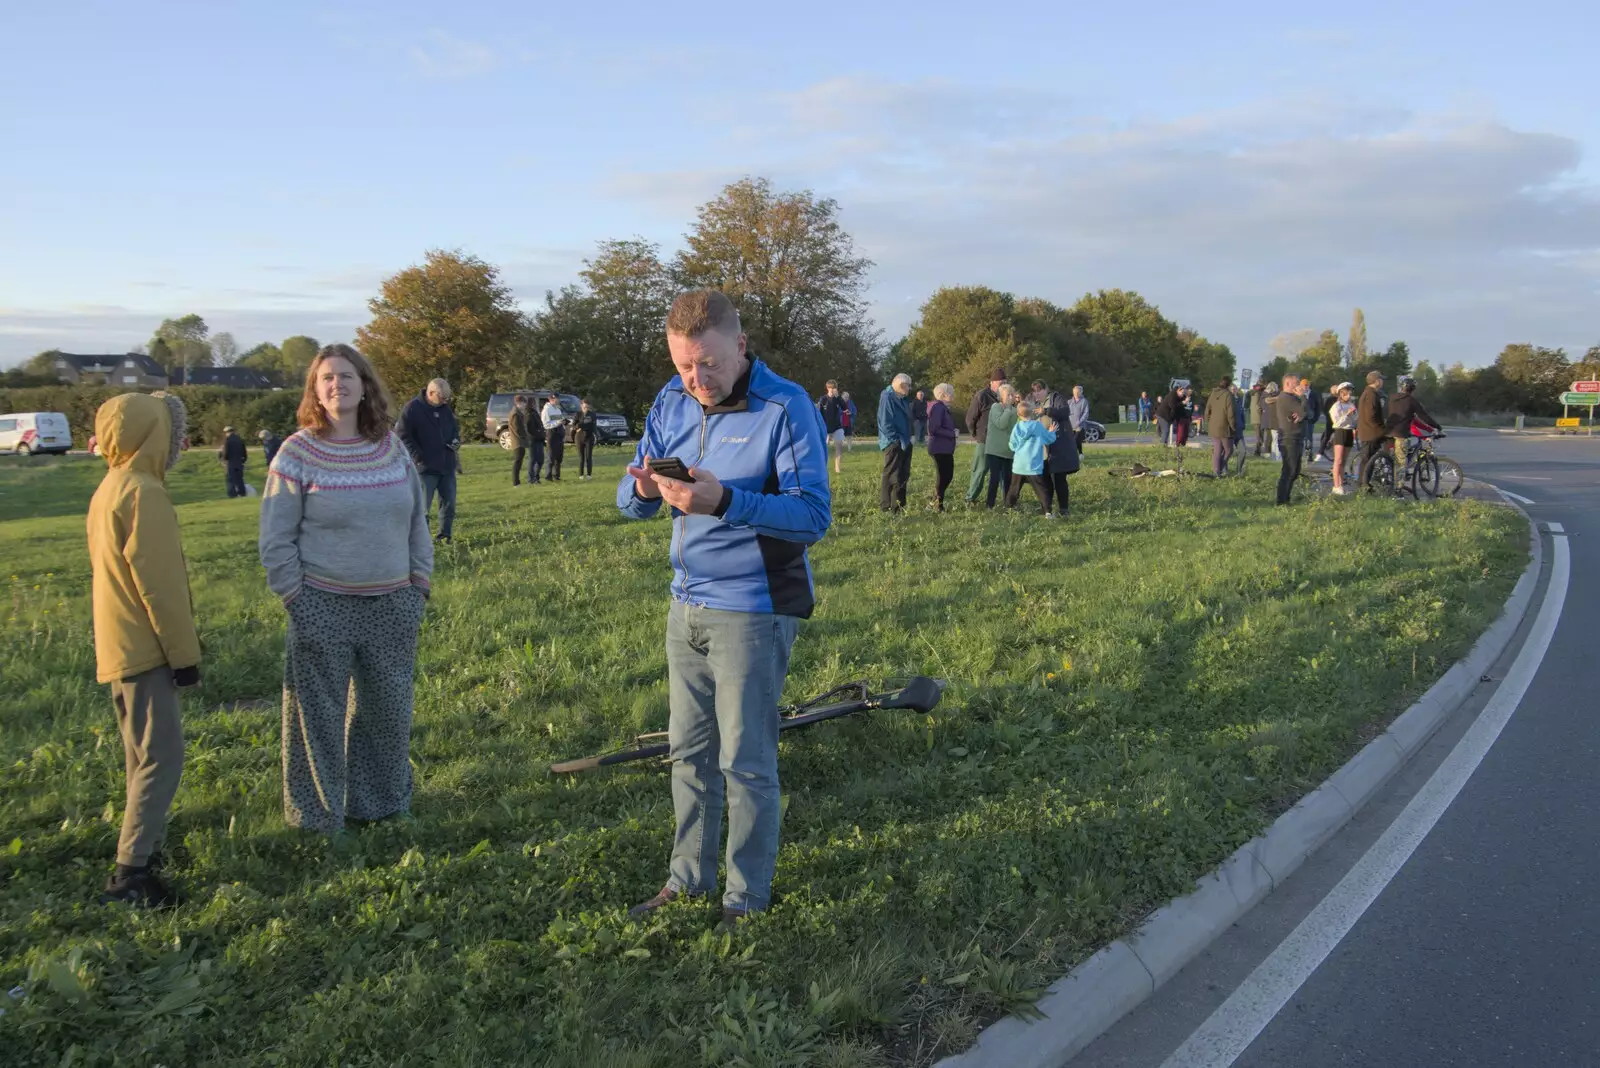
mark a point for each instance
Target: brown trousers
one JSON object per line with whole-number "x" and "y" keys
{"x": 152, "y": 748}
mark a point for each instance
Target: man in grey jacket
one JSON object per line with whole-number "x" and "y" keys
{"x": 1078, "y": 412}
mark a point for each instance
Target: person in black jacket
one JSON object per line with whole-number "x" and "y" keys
{"x": 1292, "y": 430}
{"x": 1404, "y": 410}
{"x": 233, "y": 455}
{"x": 1061, "y": 457}
{"x": 517, "y": 437}
{"x": 832, "y": 407}
{"x": 536, "y": 439}
{"x": 1169, "y": 409}
{"x": 919, "y": 417}
{"x": 978, "y": 427}
{"x": 586, "y": 427}
{"x": 269, "y": 444}
{"x": 430, "y": 432}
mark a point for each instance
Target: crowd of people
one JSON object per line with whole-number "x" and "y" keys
{"x": 344, "y": 541}
{"x": 1033, "y": 439}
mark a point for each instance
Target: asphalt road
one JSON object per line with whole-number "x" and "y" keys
{"x": 1484, "y": 947}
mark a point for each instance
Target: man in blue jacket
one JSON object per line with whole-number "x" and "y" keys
{"x": 894, "y": 441}
{"x": 429, "y": 429}
{"x": 755, "y": 452}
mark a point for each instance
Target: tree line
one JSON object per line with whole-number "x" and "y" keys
{"x": 793, "y": 271}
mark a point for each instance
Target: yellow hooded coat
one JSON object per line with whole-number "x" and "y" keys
{"x": 143, "y": 617}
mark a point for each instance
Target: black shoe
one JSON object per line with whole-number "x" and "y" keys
{"x": 140, "y": 889}
{"x": 666, "y": 897}
{"x": 443, "y": 539}
{"x": 731, "y": 918}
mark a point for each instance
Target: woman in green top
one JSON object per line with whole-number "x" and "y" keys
{"x": 997, "y": 447}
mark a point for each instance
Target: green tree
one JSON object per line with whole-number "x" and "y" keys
{"x": 960, "y": 335}
{"x": 266, "y": 358}
{"x": 451, "y": 318}
{"x": 1355, "y": 350}
{"x": 187, "y": 340}
{"x": 1205, "y": 362}
{"x": 791, "y": 269}
{"x": 1322, "y": 362}
{"x": 1392, "y": 362}
{"x": 1150, "y": 339}
{"x": 43, "y": 365}
{"x": 298, "y": 352}
{"x": 632, "y": 291}
{"x": 1539, "y": 374}
{"x": 1427, "y": 379}
{"x": 162, "y": 355}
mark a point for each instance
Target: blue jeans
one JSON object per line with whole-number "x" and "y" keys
{"x": 445, "y": 486}
{"x": 725, "y": 675}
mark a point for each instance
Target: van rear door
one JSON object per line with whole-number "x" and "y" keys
{"x": 54, "y": 432}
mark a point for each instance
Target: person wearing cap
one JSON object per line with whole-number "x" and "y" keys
{"x": 233, "y": 454}
{"x": 1370, "y": 432}
{"x": 1342, "y": 415}
{"x": 978, "y": 427}
{"x": 269, "y": 443}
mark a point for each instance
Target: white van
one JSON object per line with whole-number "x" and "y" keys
{"x": 26, "y": 433}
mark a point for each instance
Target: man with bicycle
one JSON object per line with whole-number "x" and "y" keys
{"x": 1405, "y": 413}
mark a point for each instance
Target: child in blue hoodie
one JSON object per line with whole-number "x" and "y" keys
{"x": 1029, "y": 439}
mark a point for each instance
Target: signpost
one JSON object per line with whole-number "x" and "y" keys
{"x": 1585, "y": 394}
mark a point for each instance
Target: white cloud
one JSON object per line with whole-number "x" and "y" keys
{"x": 1458, "y": 234}
{"x": 444, "y": 55}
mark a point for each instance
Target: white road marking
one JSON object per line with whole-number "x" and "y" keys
{"x": 1231, "y": 1029}
{"x": 1555, "y": 528}
{"x": 1527, "y": 478}
{"x": 1519, "y": 498}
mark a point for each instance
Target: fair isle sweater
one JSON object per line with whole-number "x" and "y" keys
{"x": 344, "y": 517}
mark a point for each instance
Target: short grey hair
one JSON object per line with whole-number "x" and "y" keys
{"x": 944, "y": 391}
{"x": 441, "y": 387}
{"x": 1008, "y": 390}
{"x": 902, "y": 377}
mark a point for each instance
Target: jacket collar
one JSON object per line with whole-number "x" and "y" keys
{"x": 738, "y": 399}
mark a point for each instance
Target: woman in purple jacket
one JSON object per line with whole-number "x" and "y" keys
{"x": 942, "y": 438}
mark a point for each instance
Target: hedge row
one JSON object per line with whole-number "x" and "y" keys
{"x": 210, "y": 408}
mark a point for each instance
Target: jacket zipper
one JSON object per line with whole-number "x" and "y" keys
{"x": 683, "y": 520}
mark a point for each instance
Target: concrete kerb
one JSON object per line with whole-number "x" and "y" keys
{"x": 1082, "y": 1005}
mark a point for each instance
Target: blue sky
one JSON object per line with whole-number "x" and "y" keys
{"x": 1253, "y": 168}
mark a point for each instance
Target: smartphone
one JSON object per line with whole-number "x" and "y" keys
{"x": 668, "y": 467}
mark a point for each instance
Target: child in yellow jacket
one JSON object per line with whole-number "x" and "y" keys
{"x": 146, "y": 646}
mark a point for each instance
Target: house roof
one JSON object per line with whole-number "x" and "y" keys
{"x": 232, "y": 377}
{"x": 94, "y": 364}
{"x": 146, "y": 364}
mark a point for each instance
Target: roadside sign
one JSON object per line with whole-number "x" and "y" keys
{"x": 1574, "y": 422}
{"x": 1581, "y": 400}
{"x": 1589, "y": 386}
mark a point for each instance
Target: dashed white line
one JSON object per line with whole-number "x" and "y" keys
{"x": 1230, "y": 1030}
{"x": 1555, "y": 528}
{"x": 1519, "y": 498}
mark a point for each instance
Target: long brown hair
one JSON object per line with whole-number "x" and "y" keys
{"x": 373, "y": 420}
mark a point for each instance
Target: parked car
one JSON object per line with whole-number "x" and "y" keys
{"x": 1093, "y": 431}
{"x": 612, "y": 428}
{"x": 26, "y": 433}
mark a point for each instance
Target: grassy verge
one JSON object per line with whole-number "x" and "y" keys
{"x": 1134, "y": 693}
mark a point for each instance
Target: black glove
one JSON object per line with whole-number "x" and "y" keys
{"x": 187, "y": 676}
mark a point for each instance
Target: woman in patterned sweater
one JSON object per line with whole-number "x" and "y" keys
{"x": 344, "y": 539}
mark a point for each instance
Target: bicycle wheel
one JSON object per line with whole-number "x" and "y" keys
{"x": 1451, "y": 478}
{"x": 1382, "y": 473}
{"x": 1426, "y": 475}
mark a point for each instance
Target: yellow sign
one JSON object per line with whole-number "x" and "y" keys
{"x": 1574, "y": 421}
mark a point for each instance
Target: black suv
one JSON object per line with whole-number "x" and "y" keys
{"x": 612, "y": 428}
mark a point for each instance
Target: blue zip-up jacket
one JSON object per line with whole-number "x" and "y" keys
{"x": 431, "y": 434}
{"x": 766, "y": 446}
{"x": 894, "y": 420}
{"x": 1028, "y": 440}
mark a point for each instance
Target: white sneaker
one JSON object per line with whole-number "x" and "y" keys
{"x": 1317, "y": 459}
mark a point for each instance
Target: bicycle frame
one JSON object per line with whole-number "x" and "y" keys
{"x": 919, "y": 694}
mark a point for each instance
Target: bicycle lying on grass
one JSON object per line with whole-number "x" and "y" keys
{"x": 918, "y": 694}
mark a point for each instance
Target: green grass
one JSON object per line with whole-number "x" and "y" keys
{"x": 1135, "y": 692}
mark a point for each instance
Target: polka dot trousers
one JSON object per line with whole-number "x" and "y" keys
{"x": 347, "y": 696}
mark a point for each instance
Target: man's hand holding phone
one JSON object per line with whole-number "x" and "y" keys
{"x": 689, "y": 490}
